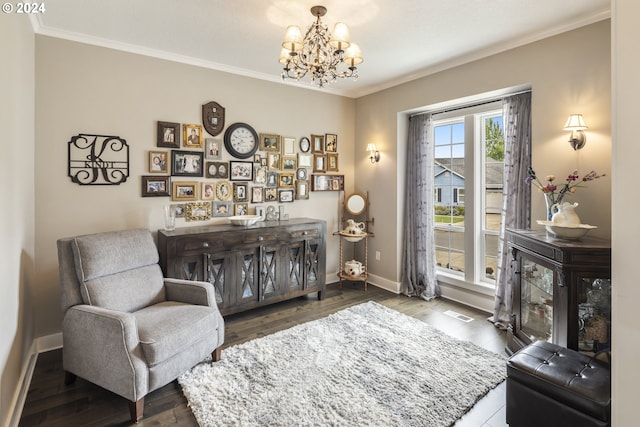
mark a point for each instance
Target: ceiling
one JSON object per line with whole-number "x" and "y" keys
{"x": 401, "y": 39}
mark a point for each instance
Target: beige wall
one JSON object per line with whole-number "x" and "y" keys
{"x": 568, "y": 73}
{"x": 626, "y": 231}
{"x": 16, "y": 195}
{"x": 87, "y": 89}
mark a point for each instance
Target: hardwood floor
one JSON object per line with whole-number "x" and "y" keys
{"x": 50, "y": 403}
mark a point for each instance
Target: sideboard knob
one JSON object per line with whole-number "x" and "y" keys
{"x": 260, "y": 238}
{"x": 205, "y": 244}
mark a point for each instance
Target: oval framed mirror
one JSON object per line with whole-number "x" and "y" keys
{"x": 355, "y": 204}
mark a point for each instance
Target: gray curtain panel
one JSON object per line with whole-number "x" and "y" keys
{"x": 516, "y": 199}
{"x": 418, "y": 276}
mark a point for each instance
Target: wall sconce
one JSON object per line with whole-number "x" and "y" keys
{"x": 575, "y": 123}
{"x": 374, "y": 155}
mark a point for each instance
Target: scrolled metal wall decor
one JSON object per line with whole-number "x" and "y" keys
{"x": 98, "y": 159}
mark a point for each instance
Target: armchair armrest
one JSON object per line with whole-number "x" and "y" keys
{"x": 102, "y": 346}
{"x": 190, "y": 292}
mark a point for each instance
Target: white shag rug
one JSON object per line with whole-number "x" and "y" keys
{"x": 366, "y": 365}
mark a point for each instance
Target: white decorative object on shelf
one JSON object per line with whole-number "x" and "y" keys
{"x": 244, "y": 219}
{"x": 565, "y": 215}
{"x": 567, "y": 232}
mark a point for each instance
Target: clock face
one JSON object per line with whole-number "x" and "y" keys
{"x": 241, "y": 140}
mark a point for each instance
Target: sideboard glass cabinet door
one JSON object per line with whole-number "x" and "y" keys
{"x": 562, "y": 291}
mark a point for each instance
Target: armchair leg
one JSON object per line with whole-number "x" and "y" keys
{"x": 216, "y": 355}
{"x": 69, "y": 378}
{"x": 136, "y": 409}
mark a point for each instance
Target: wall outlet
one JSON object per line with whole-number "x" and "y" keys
{"x": 377, "y": 255}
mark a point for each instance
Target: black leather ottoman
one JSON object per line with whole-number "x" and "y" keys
{"x": 549, "y": 385}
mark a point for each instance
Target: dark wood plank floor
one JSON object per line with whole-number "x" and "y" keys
{"x": 50, "y": 403}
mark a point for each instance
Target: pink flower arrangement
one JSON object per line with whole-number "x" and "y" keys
{"x": 555, "y": 193}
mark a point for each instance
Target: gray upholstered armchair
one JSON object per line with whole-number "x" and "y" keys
{"x": 125, "y": 327}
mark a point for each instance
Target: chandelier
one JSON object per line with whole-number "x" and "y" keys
{"x": 324, "y": 56}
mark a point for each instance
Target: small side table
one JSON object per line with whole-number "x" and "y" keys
{"x": 354, "y": 240}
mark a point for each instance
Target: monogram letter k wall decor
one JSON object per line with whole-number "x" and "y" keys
{"x": 98, "y": 159}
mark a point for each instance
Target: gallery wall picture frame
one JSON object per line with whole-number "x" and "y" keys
{"x": 285, "y": 180}
{"x": 224, "y": 190}
{"x": 270, "y": 194}
{"x": 317, "y": 143}
{"x": 182, "y": 191}
{"x": 257, "y": 194}
{"x": 269, "y": 142}
{"x": 186, "y": 163}
{"x": 286, "y": 195}
{"x": 221, "y": 208}
{"x": 272, "y": 179}
{"x": 155, "y": 186}
{"x": 289, "y": 163}
{"x": 192, "y": 136}
{"x": 332, "y": 162}
{"x": 215, "y": 170}
{"x": 208, "y": 191}
{"x": 158, "y": 162}
{"x": 179, "y": 209}
{"x": 331, "y": 143}
{"x": 302, "y": 174}
{"x": 305, "y": 144}
{"x": 325, "y": 182}
{"x": 319, "y": 163}
{"x": 305, "y": 160}
{"x": 197, "y": 211}
{"x": 240, "y": 209}
{"x": 302, "y": 190}
{"x": 213, "y": 148}
{"x": 240, "y": 192}
{"x": 260, "y": 175}
{"x": 240, "y": 171}
{"x": 168, "y": 134}
{"x": 273, "y": 161}
{"x": 288, "y": 146}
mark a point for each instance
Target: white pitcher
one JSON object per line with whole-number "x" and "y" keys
{"x": 566, "y": 215}
{"x": 354, "y": 227}
{"x": 354, "y": 268}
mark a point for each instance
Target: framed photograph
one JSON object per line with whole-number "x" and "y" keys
{"x": 263, "y": 161}
{"x": 224, "y": 191}
{"x": 305, "y": 160}
{"x": 269, "y": 142}
{"x": 289, "y": 163}
{"x": 302, "y": 190}
{"x": 332, "y": 162}
{"x": 270, "y": 194}
{"x": 317, "y": 143}
{"x": 213, "y": 148}
{"x": 331, "y": 143}
{"x": 192, "y": 136}
{"x": 261, "y": 175}
{"x": 240, "y": 209}
{"x": 273, "y": 161}
{"x": 319, "y": 163}
{"x": 197, "y": 211}
{"x": 302, "y": 174}
{"x": 286, "y": 196}
{"x": 208, "y": 191}
{"x": 158, "y": 162}
{"x": 288, "y": 146}
{"x": 257, "y": 158}
{"x": 179, "y": 208}
{"x": 168, "y": 135}
{"x": 156, "y": 186}
{"x": 217, "y": 170}
{"x": 240, "y": 171}
{"x": 184, "y": 190}
{"x": 186, "y": 163}
{"x": 322, "y": 182}
{"x": 257, "y": 194}
{"x": 272, "y": 179}
{"x": 222, "y": 208}
{"x": 285, "y": 180}
{"x": 240, "y": 193}
{"x": 305, "y": 144}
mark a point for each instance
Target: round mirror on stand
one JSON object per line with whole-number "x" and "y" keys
{"x": 355, "y": 204}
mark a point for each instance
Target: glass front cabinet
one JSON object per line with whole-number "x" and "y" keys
{"x": 562, "y": 291}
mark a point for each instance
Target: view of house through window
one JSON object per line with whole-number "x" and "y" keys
{"x": 468, "y": 181}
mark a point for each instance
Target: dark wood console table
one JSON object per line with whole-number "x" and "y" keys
{"x": 249, "y": 266}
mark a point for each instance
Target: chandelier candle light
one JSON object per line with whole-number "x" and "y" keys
{"x": 324, "y": 56}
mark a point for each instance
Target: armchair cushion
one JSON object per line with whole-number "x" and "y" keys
{"x": 168, "y": 328}
{"x": 118, "y": 270}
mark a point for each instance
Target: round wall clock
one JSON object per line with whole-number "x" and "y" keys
{"x": 241, "y": 140}
{"x": 305, "y": 144}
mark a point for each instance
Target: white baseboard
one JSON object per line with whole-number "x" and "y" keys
{"x": 39, "y": 345}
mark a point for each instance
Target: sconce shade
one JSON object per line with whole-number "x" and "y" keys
{"x": 575, "y": 122}
{"x": 293, "y": 39}
{"x": 371, "y": 147}
{"x": 353, "y": 55}
{"x": 374, "y": 155}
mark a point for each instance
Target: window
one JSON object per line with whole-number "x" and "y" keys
{"x": 469, "y": 165}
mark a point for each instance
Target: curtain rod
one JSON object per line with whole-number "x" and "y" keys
{"x": 470, "y": 105}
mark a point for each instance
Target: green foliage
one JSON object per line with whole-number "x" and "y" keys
{"x": 495, "y": 140}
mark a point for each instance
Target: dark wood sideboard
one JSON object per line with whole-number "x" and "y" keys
{"x": 562, "y": 291}
{"x": 249, "y": 266}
